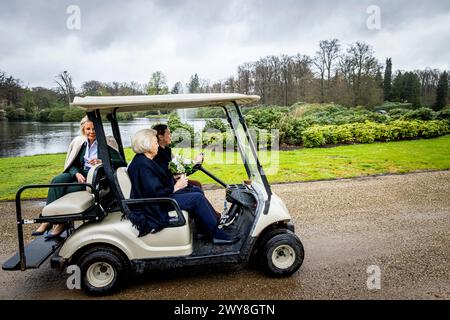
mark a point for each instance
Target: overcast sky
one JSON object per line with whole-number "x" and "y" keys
{"x": 128, "y": 40}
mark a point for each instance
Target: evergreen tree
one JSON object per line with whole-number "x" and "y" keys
{"x": 406, "y": 88}
{"x": 441, "y": 92}
{"x": 387, "y": 84}
{"x": 194, "y": 84}
{"x": 412, "y": 89}
{"x": 398, "y": 88}
{"x": 177, "y": 88}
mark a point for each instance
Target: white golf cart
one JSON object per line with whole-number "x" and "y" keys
{"x": 104, "y": 244}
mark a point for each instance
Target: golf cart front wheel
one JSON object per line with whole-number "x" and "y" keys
{"x": 282, "y": 255}
{"x": 103, "y": 271}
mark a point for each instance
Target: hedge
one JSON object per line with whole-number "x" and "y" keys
{"x": 369, "y": 132}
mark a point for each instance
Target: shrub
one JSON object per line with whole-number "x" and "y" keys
{"x": 369, "y": 132}
{"x": 291, "y": 130}
{"x": 387, "y": 106}
{"x": 419, "y": 114}
{"x": 343, "y": 133}
{"x": 313, "y": 137}
{"x": 265, "y": 118}
{"x": 431, "y": 129}
{"x": 182, "y": 133}
{"x": 211, "y": 113}
{"x": 443, "y": 114}
{"x": 73, "y": 115}
{"x": 15, "y": 114}
{"x": 400, "y": 129}
{"x": 43, "y": 115}
{"x": 216, "y": 124}
{"x": 397, "y": 113}
{"x": 125, "y": 116}
{"x": 56, "y": 115}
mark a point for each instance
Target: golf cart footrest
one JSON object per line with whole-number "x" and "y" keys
{"x": 36, "y": 252}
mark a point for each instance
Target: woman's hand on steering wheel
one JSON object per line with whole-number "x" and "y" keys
{"x": 199, "y": 159}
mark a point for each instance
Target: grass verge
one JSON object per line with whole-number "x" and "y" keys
{"x": 284, "y": 166}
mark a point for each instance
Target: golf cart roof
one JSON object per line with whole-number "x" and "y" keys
{"x": 171, "y": 101}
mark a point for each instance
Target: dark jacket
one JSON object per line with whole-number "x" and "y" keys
{"x": 163, "y": 158}
{"x": 149, "y": 180}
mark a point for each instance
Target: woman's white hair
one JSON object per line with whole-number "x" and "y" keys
{"x": 142, "y": 140}
{"x": 83, "y": 124}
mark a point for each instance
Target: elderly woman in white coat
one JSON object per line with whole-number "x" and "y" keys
{"x": 81, "y": 156}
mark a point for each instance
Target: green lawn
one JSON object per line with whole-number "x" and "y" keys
{"x": 297, "y": 165}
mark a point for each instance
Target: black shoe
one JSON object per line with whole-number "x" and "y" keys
{"x": 40, "y": 233}
{"x": 225, "y": 241}
{"x": 50, "y": 235}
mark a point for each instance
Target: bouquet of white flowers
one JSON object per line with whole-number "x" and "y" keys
{"x": 180, "y": 165}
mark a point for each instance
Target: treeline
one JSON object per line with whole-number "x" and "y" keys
{"x": 349, "y": 76}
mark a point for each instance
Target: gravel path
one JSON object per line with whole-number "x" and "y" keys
{"x": 399, "y": 223}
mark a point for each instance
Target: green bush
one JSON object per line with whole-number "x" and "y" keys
{"x": 397, "y": 113}
{"x": 57, "y": 115}
{"x": 369, "y": 132}
{"x": 125, "y": 116}
{"x": 73, "y": 115}
{"x": 431, "y": 129}
{"x": 291, "y": 129}
{"x": 342, "y": 134}
{"x": 211, "y": 113}
{"x": 420, "y": 114}
{"x": 387, "y": 106}
{"x": 43, "y": 115}
{"x": 182, "y": 133}
{"x": 216, "y": 124}
{"x": 313, "y": 137}
{"x": 15, "y": 114}
{"x": 266, "y": 117}
{"x": 443, "y": 114}
{"x": 211, "y": 139}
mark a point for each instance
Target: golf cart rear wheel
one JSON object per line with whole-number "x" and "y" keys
{"x": 282, "y": 255}
{"x": 103, "y": 271}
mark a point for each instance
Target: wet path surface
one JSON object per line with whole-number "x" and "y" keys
{"x": 399, "y": 223}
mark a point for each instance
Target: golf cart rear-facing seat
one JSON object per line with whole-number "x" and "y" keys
{"x": 79, "y": 205}
{"x": 71, "y": 203}
{"x": 80, "y": 201}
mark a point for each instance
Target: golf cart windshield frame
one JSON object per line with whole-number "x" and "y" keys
{"x": 247, "y": 148}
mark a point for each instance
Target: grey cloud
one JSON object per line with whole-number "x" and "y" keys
{"x": 200, "y": 31}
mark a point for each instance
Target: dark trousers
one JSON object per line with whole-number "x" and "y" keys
{"x": 199, "y": 207}
{"x": 56, "y": 193}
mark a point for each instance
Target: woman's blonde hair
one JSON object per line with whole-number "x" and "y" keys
{"x": 83, "y": 124}
{"x": 142, "y": 140}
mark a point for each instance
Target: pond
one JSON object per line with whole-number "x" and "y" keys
{"x": 32, "y": 138}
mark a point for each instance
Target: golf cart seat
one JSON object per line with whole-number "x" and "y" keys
{"x": 124, "y": 182}
{"x": 80, "y": 202}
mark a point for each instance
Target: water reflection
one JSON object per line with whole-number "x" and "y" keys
{"x": 31, "y": 138}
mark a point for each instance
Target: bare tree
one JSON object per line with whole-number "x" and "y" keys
{"x": 245, "y": 81}
{"x": 359, "y": 66}
{"x": 287, "y": 73}
{"x": 324, "y": 61}
{"x": 65, "y": 85}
